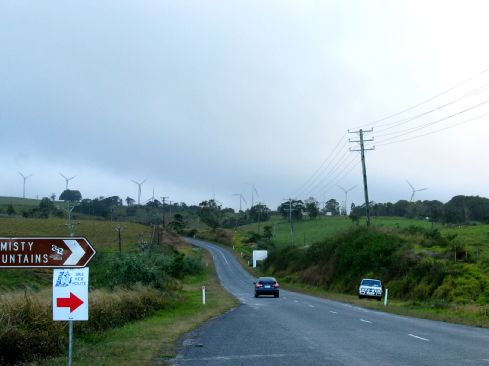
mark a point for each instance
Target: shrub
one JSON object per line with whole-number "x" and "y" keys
{"x": 27, "y": 331}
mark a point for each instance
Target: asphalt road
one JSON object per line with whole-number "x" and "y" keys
{"x": 297, "y": 329}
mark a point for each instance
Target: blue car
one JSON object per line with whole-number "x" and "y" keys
{"x": 266, "y": 286}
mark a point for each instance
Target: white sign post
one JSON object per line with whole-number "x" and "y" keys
{"x": 259, "y": 255}
{"x": 70, "y": 299}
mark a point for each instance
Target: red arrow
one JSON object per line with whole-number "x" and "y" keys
{"x": 72, "y": 302}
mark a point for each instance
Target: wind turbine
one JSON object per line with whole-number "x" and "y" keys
{"x": 67, "y": 179}
{"x": 346, "y": 196}
{"x": 241, "y": 198}
{"x": 415, "y": 190}
{"x": 253, "y": 192}
{"x": 25, "y": 178}
{"x": 152, "y": 198}
{"x": 139, "y": 189}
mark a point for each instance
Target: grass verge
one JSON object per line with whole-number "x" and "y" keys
{"x": 153, "y": 340}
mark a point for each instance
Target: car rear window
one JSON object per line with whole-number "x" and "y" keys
{"x": 266, "y": 280}
{"x": 371, "y": 283}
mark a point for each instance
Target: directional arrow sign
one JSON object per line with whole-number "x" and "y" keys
{"x": 45, "y": 252}
{"x": 70, "y": 293}
{"x": 72, "y": 302}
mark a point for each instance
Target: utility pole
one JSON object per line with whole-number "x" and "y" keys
{"x": 364, "y": 170}
{"x": 170, "y": 203}
{"x": 119, "y": 228}
{"x": 163, "y": 199}
{"x": 290, "y": 209}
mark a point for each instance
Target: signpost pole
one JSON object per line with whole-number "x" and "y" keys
{"x": 70, "y": 342}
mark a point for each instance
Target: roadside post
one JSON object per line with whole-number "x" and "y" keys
{"x": 70, "y": 299}
{"x": 386, "y": 296}
{"x": 203, "y": 295}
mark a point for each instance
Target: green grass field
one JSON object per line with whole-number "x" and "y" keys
{"x": 19, "y": 204}
{"x": 475, "y": 237}
{"x": 101, "y": 234}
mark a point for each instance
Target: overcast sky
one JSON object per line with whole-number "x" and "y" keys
{"x": 205, "y": 98}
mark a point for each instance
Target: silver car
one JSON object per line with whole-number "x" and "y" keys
{"x": 370, "y": 288}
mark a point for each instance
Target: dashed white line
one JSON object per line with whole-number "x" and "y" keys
{"x": 296, "y": 301}
{"x": 366, "y": 321}
{"x": 311, "y": 306}
{"x": 333, "y": 312}
{"x": 225, "y": 260}
{"x": 415, "y": 336}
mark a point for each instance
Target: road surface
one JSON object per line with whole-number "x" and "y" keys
{"x": 298, "y": 329}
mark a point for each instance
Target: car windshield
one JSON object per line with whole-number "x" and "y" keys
{"x": 371, "y": 283}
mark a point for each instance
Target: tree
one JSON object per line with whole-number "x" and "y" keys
{"x": 178, "y": 223}
{"x": 312, "y": 207}
{"x": 259, "y": 213}
{"x": 46, "y": 206}
{"x": 297, "y": 207}
{"x": 69, "y": 195}
{"x": 333, "y": 206}
{"x": 130, "y": 201}
{"x": 10, "y": 210}
{"x": 210, "y": 213}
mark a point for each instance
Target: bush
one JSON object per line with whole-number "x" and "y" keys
{"x": 27, "y": 331}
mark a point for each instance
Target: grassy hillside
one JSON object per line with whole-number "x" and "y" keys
{"x": 415, "y": 265}
{"x": 474, "y": 237}
{"x": 308, "y": 231}
{"x": 19, "y": 204}
{"x": 101, "y": 234}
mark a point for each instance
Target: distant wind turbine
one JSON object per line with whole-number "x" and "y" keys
{"x": 414, "y": 190}
{"x": 346, "y": 196}
{"x": 139, "y": 189}
{"x": 152, "y": 198}
{"x": 253, "y": 192}
{"x": 25, "y": 178}
{"x": 67, "y": 179}
{"x": 241, "y": 198}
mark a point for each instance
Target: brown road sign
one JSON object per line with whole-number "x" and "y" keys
{"x": 45, "y": 252}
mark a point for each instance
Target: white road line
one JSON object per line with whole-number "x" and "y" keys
{"x": 415, "y": 336}
{"x": 365, "y": 321}
{"x": 225, "y": 260}
{"x": 333, "y": 312}
{"x": 296, "y": 301}
{"x": 311, "y": 306}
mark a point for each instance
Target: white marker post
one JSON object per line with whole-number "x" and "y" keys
{"x": 386, "y": 295}
{"x": 203, "y": 295}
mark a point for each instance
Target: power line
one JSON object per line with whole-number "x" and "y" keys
{"x": 391, "y": 125}
{"x": 432, "y": 132}
{"x": 426, "y": 125}
{"x": 319, "y": 171}
{"x": 344, "y": 173}
{"x": 375, "y": 123}
{"x": 330, "y": 173}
